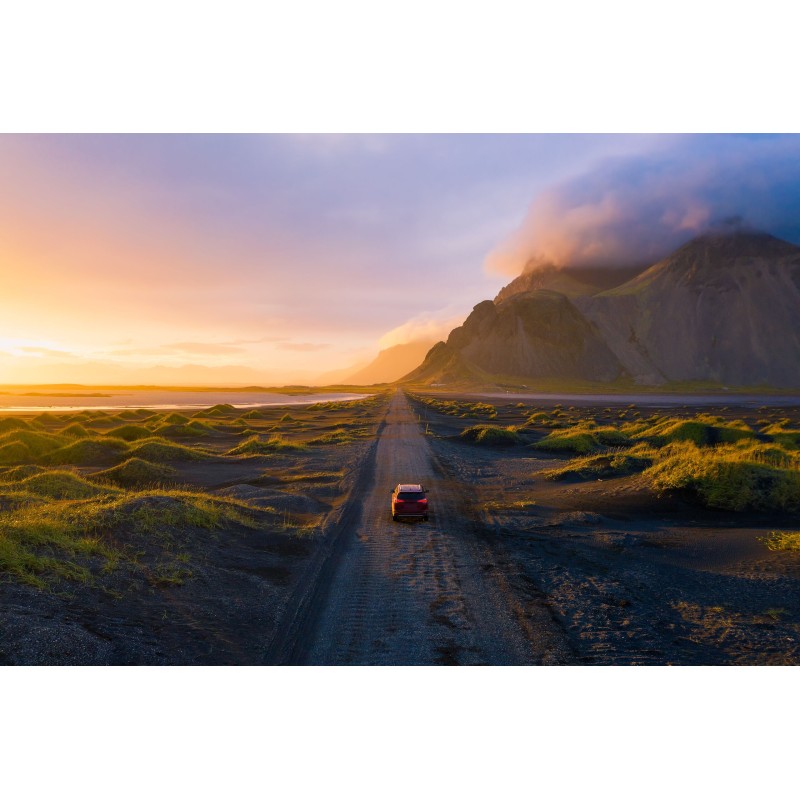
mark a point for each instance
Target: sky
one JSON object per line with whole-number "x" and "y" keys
{"x": 277, "y": 258}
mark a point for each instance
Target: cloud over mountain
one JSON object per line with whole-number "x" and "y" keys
{"x": 635, "y": 210}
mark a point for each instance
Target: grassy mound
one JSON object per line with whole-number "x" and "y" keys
{"x": 605, "y": 465}
{"x": 538, "y": 418}
{"x": 62, "y": 485}
{"x": 786, "y": 437}
{"x": 45, "y": 540}
{"x": 254, "y": 414}
{"x": 158, "y": 511}
{"x": 220, "y": 410}
{"x": 158, "y": 450}
{"x": 491, "y": 436}
{"x": 14, "y": 453}
{"x": 130, "y": 433}
{"x": 13, "y": 424}
{"x": 580, "y": 441}
{"x": 255, "y": 445}
{"x": 702, "y": 430}
{"x": 38, "y": 444}
{"x": 136, "y": 472}
{"x": 75, "y": 431}
{"x": 90, "y": 450}
{"x": 287, "y": 418}
{"x": 14, "y": 474}
{"x": 730, "y": 478}
{"x": 336, "y": 436}
{"x": 783, "y": 540}
{"x": 175, "y": 418}
{"x": 134, "y": 415}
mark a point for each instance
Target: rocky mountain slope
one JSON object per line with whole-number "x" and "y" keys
{"x": 724, "y": 308}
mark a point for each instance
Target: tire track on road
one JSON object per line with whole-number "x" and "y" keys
{"x": 408, "y": 593}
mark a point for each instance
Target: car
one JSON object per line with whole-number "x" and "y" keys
{"x": 409, "y": 501}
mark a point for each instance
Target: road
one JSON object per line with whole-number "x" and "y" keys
{"x": 404, "y": 593}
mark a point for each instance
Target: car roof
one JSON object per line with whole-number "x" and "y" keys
{"x": 409, "y": 487}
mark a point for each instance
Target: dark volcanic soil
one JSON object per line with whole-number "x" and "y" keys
{"x": 632, "y": 577}
{"x": 234, "y": 583}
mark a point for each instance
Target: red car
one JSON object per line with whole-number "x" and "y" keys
{"x": 409, "y": 500}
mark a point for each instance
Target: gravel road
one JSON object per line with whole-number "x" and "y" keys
{"x": 402, "y": 593}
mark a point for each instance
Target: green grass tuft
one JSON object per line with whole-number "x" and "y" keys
{"x": 783, "y": 540}
{"x": 90, "y": 450}
{"x": 130, "y": 433}
{"x": 255, "y": 445}
{"x": 136, "y": 472}
{"x": 62, "y": 485}
{"x": 176, "y": 419}
{"x": 604, "y": 465}
{"x": 569, "y": 441}
{"x": 13, "y": 424}
{"x": 14, "y": 453}
{"x": 38, "y": 444}
{"x": 158, "y": 450}
{"x": 75, "y": 431}
{"x": 728, "y": 477}
{"x": 491, "y": 435}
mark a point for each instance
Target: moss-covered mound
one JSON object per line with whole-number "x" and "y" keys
{"x": 538, "y": 418}
{"x": 13, "y": 424}
{"x": 14, "y": 453}
{"x": 89, "y": 451}
{"x": 702, "y": 430}
{"x": 580, "y": 441}
{"x": 14, "y": 474}
{"x": 75, "y": 431}
{"x": 38, "y": 444}
{"x": 726, "y": 477}
{"x": 157, "y": 450}
{"x": 220, "y": 410}
{"x": 175, "y": 418}
{"x": 136, "y": 472}
{"x": 255, "y": 445}
{"x": 254, "y": 414}
{"x": 786, "y": 437}
{"x": 336, "y": 436}
{"x": 130, "y": 433}
{"x": 491, "y": 435}
{"x": 605, "y": 465}
{"x": 62, "y": 485}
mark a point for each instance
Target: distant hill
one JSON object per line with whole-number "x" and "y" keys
{"x": 390, "y": 364}
{"x": 723, "y": 308}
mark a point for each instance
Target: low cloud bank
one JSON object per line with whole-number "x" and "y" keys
{"x": 634, "y": 211}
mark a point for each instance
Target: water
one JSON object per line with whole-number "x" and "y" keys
{"x": 162, "y": 400}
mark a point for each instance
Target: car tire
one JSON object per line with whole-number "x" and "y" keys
{"x": 425, "y": 518}
{"x": 394, "y": 517}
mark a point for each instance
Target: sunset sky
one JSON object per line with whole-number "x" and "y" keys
{"x": 279, "y": 257}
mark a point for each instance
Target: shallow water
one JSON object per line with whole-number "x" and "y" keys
{"x": 110, "y": 400}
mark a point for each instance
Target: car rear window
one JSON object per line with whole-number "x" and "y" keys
{"x": 410, "y": 495}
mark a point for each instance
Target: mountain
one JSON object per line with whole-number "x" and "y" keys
{"x": 390, "y": 364}
{"x": 538, "y": 333}
{"x": 723, "y": 308}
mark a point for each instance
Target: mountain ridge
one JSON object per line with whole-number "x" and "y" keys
{"x": 723, "y": 308}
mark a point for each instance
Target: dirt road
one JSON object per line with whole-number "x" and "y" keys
{"x": 402, "y": 593}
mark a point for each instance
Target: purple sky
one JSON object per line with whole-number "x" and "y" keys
{"x": 293, "y": 254}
